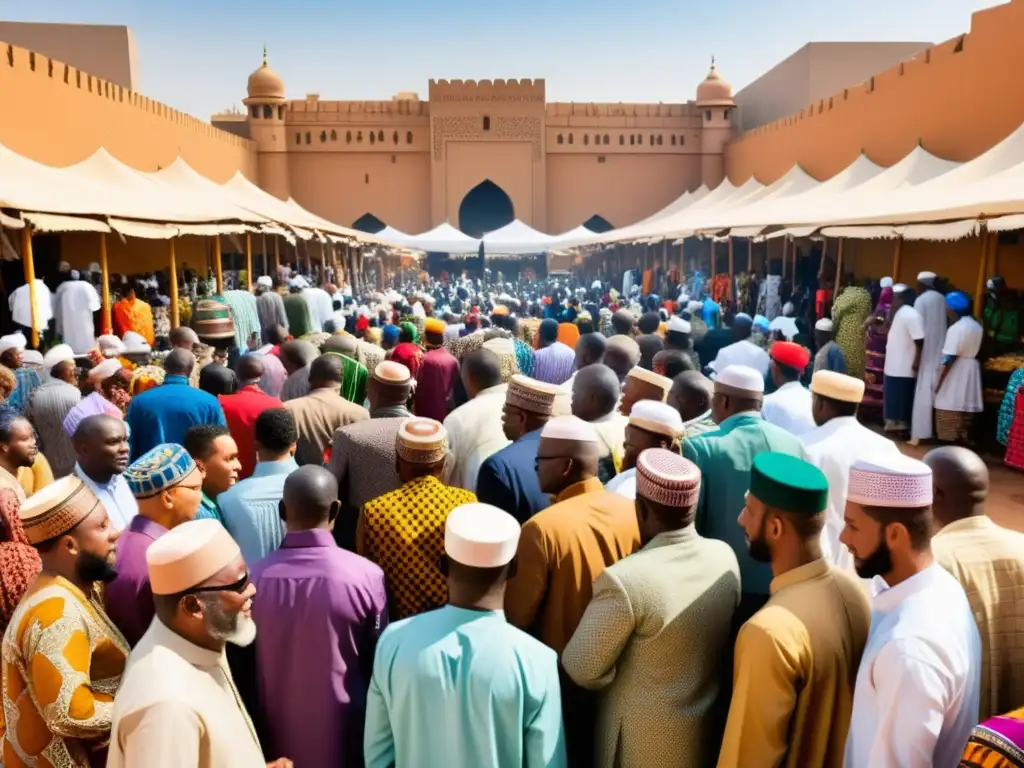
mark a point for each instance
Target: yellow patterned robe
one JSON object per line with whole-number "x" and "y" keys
{"x": 403, "y": 532}
{"x": 62, "y": 664}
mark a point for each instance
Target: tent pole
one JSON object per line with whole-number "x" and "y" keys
{"x": 108, "y": 325}
{"x": 730, "y": 292}
{"x": 711, "y": 265}
{"x": 29, "y": 265}
{"x": 264, "y": 249}
{"x": 277, "y": 256}
{"x": 839, "y": 270}
{"x": 979, "y": 286}
{"x": 323, "y": 264}
{"x": 896, "y": 259}
{"x": 218, "y": 270}
{"x": 750, "y": 255}
{"x": 248, "y": 261}
{"x": 784, "y": 241}
{"x": 173, "y": 264}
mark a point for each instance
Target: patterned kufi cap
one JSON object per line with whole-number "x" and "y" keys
{"x": 422, "y": 441}
{"x": 664, "y": 383}
{"x": 667, "y": 478}
{"x": 788, "y": 483}
{"x": 531, "y": 395}
{"x": 189, "y": 554}
{"x": 158, "y": 470}
{"x": 902, "y": 482}
{"x": 56, "y": 509}
{"x": 481, "y": 536}
{"x": 659, "y": 418}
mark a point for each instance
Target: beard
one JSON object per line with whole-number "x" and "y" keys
{"x": 92, "y": 567}
{"x": 877, "y": 563}
{"x": 235, "y": 628}
{"x": 758, "y": 547}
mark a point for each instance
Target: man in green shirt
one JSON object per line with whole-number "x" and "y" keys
{"x": 725, "y": 457}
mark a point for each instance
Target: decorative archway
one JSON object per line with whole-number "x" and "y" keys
{"x": 368, "y": 223}
{"x": 598, "y": 224}
{"x": 485, "y": 208}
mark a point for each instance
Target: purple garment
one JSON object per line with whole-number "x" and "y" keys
{"x": 129, "y": 598}
{"x": 319, "y": 610}
{"x": 554, "y": 364}
{"x": 274, "y": 375}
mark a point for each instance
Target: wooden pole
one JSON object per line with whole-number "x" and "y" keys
{"x": 29, "y": 265}
{"x": 711, "y": 266}
{"x": 979, "y": 286}
{"x": 323, "y": 264}
{"x": 784, "y": 241}
{"x": 730, "y": 292}
{"x": 277, "y": 256}
{"x": 839, "y": 269}
{"x": 173, "y": 263}
{"x": 750, "y": 255}
{"x": 897, "y": 253}
{"x": 218, "y": 270}
{"x": 264, "y": 249}
{"x": 248, "y": 261}
{"x": 108, "y": 325}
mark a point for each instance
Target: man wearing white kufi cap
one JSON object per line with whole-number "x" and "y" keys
{"x": 931, "y": 305}
{"x": 835, "y": 445}
{"x": 829, "y": 356}
{"x": 564, "y": 548}
{"x": 74, "y": 305}
{"x": 651, "y": 425}
{"x": 269, "y": 307}
{"x": 724, "y": 458}
{"x": 917, "y": 691}
{"x": 50, "y": 404}
{"x": 903, "y": 355}
{"x": 178, "y": 704}
{"x": 742, "y": 351}
{"x": 504, "y": 706}
{"x": 663, "y": 698}
{"x": 12, "y": 354}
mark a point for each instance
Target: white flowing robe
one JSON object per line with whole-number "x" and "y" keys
{"x": 931, "y": 305}
{"x": 74, "y": 303}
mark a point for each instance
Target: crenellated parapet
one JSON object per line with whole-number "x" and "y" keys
{"x": 468, "y": 91}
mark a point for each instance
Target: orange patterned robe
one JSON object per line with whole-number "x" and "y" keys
{"x": 62, "y": 664}
{"x": 135, "y": 315}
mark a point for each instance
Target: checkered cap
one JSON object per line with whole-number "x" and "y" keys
{"x": 667, "y": 478}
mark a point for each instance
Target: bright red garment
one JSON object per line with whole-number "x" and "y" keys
{"x": 409, "y": 355}
{"x": 240, "y": 411}
{"x": 439, "y": 370}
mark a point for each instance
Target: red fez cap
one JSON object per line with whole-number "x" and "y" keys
{"x": 363, "y": 323}
{"x": 791, "y": 354}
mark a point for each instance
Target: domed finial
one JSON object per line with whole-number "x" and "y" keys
{"x": 264, "y": 54}
{"x": 712, "y": 61}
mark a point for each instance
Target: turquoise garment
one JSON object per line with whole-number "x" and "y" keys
{"x": 1006, "y": 407}
{"x": 208, "y": 510}
{"x": 27, "y": 381}
{"x": 524, "y": 357}
{"x": 165, "y": 413}
{"x": 455, "y": 688}
{"x": 724, "y": 458}
{"x": 250, "y": 512}
{"x": 247, "y": 321}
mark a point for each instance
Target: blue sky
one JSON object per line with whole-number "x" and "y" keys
{"x": 196, "y": 54}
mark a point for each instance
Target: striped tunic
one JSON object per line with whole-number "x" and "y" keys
{"x": 46, "y": 409}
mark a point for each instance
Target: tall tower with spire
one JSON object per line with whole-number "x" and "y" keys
{"x": 266, "y": 115}
{"x": 716, "y": 107}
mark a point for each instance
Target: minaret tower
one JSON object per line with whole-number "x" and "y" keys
{"x": 716, "y": 107}
{"x": 266, "y": 112}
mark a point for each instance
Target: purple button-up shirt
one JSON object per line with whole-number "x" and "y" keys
{"x": 554, "y": 363}
{"x": 129, "y": 597}
{"x": 319, "y": 610}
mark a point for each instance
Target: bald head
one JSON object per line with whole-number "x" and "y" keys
{"x": 691, "y": 394}
{"x": 96, "y": 428}
{"x": 179, "y": 362}
{"x": 589, "y": 350}
{"x": 249, "y": 369}
{"x": 183, "y": 337}
{"x": 961, "y": 484}
{"x": 595, "y": 392}
{"x": 310, "y": 498}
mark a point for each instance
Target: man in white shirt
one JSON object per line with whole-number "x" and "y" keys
{"x": 742, "y": 351}
{"x": 789, "y": 406}
{"x": 931, "y": 305}
{"x": 835, "y": 445}
{"x": 74, "y": 305}
{"x": 902, "y": 358}
{"x": 958, "y": 392}
{"x": 474, "y": 428}
{"x": 917, "y": 691}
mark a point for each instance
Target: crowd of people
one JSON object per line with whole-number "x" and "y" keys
{"x": 477, "y": 524}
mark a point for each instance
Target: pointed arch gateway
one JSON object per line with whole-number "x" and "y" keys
{"x": 368, "y": 223}
{"x": 598, "y": 224}
{"x": 485, "y": 208}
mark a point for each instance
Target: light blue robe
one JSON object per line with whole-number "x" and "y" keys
{"x": 455, "y": 688}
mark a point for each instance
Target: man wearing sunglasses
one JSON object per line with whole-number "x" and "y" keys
{"x": 178, "y": 706}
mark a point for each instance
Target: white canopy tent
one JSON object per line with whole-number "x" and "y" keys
{"x": 517, "y": 239}
{"x": 444, "y": 238}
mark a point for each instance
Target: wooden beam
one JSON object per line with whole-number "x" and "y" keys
{"x": 108, "y": 324}
{"x": 729, "y": 293}
{"x": 173, "y": 282}
{"x": 29, "y": 265}
{"x": 785, "y": 239}
{"x": 979, "y": 286}
{"x": 839, "y": 269}
{"x": 218, "y": 269}
{"x": 897, "y": 253}
{"x": 248, "y": 261}
{"x": 277, "y": 257}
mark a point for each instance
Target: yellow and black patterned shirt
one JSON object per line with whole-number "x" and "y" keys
{"x": 403, "y": 532}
